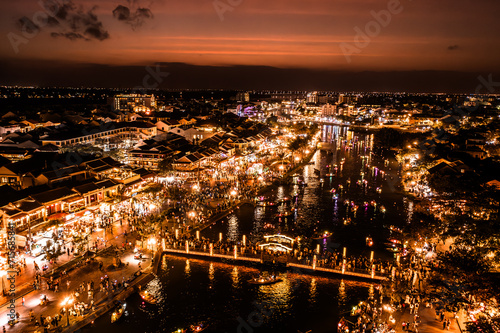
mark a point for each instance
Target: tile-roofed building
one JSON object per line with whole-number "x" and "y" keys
{"x": 90, "y": 134}
{"x": 149, "y": 156}
{"x": 23, "y": 213}
{"x": 53, "y": 199}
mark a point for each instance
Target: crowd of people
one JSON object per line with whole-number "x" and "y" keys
{"x": 299, "y": 255}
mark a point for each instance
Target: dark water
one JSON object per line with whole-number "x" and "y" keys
{"x": 195, "y": 291}
{"x": 349, "y": 210}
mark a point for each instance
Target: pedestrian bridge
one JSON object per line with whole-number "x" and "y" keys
{"x": 237, "y": 259}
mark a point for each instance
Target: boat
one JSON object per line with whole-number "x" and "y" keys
{"x": 198, "y": 328}
{"x": 117, "y": 313}
{"x": 148, "y": 297}
{"x": 265, "y": 280}
{"x": 284, "y": 214}
{"x": 321, "y": 236}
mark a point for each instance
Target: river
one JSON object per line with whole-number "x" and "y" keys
{"x": 351, "y": 193}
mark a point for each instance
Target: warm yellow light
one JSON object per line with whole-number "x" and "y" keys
{"x": 67, "y": 301}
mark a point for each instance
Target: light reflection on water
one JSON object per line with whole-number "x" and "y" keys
{"x": 322, "y": 205}
{"x": 235, "y": 277}
{"x": 218, "y": 294}
{"x": 232, "y": 228}
{"x": 187, "y": 269}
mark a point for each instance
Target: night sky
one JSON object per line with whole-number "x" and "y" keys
{"x": 420, "y": 45}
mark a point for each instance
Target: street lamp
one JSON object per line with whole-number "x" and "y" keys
{"x": 152, "y": 243}
{"x": 192, "y": 215}
{"x": 67, "y": 301}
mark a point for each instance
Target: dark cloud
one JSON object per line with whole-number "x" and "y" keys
{"x": 68, "y": 35}
{"x": 97, "y": 32}
{"x": 121, "y": 13}
{"x": 136, "y": 19}
{"x": 52, "y": 22}
{"x": 64, "y": 10}
{"x": 28, "y": 26}
{"x": 70, "y": 21}
{"x": 453, "y": 47}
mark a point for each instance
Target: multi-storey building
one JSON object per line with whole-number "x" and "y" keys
{"x": 134, "y": 102}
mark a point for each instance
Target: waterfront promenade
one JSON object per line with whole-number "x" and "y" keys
{"x": 74, "y": 286}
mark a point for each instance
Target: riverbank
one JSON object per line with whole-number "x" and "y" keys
{"x": 264, "y": 189}
{"x": 141, "y": 278}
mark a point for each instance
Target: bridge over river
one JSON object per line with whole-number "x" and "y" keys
{"x": 240, "y": 256}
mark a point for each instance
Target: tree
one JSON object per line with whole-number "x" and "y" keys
{"x": 389, "y": 138}
{"x": 166, "y": 165}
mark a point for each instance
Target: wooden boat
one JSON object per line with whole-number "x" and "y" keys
{"x": 322, "y": 236}
{"x": 198, "y": 328}
{"x": 284, "y": 214}
{"x": 118, "y": 313}
{"x": 393, "y": 249}
{"x": 268, "y": 226}
{"x": 261, "y": 280}
{"x": 148, "y": 297}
